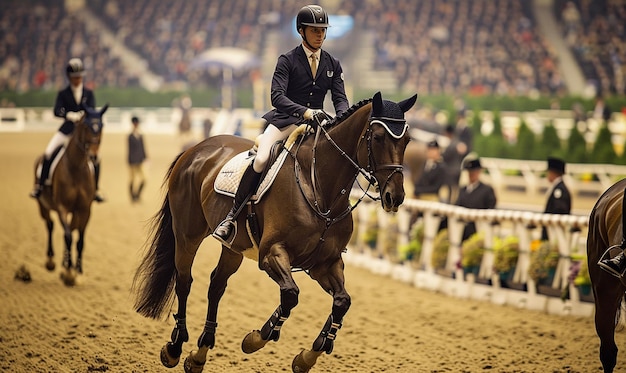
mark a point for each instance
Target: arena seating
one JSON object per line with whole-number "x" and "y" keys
{"x": 433, "y": 46}
{"x": 37, "y": 38}
{"x": 596, "y": 35}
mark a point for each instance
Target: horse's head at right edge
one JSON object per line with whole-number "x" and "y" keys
{"x": 387, "y": 137}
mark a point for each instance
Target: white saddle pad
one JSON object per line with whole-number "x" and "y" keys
{"x": 228, "y": 179}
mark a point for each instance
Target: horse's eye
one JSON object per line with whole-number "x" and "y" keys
{"x": 378, "y": 137}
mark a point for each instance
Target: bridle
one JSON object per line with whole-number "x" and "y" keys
{"x": 82, "y": 142}
{"x": 368, "y": 173}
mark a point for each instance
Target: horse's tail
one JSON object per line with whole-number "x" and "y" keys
{"x": 155, "y": 278}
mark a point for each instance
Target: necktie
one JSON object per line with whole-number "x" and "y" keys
{"x": 314, "y": 64}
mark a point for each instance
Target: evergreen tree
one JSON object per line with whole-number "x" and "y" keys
{"x": 576, "y": 147}
{"x": 526, "y": 143}
{"x": 550, "y": 144}
{"x": 603, "y": 151}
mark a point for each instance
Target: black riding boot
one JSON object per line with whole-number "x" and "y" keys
{"x": 227, "y": 230}
{"x": 45, "y": 170}
{"x": 96, "y": 171}
{"x": 615, "y": 266}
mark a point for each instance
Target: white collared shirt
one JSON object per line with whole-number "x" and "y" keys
{"x": 309, "y": 52}
{"x": 77, "y": 92}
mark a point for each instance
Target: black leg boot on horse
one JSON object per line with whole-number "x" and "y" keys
{"x": 45, "y": 170}
{"x": 227, "y": 229}
{"x": 96, "y": 171}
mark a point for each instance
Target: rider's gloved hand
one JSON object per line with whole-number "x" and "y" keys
{"x": 74, "y": 116}
{"x": 316, "y": 117}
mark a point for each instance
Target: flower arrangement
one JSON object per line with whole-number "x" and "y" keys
{"x": 440, "y": 249}
{"x": 370, "y": 237}
{"x": 579, "y": 271}
{"x": 544, "y": 258}
{"x": 413, "y": 249}
{"x": 506, "y": 252}
{"x": 472, "y": 250}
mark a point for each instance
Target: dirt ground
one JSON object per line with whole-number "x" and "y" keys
{"x": 92, "y": 327}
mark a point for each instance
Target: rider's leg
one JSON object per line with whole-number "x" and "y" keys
{"x": 226, "y": 231}
{"x": 250, "y": 180}
{"x": 96, "y": 171}
{"x": 616, "y": 265}
{"x": 58, "y": 139}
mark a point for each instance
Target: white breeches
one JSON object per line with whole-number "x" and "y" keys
{"x": 57, "y": 140}
{"x": 265, "y": 142}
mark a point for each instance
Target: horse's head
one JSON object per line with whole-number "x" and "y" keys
{"x": 90, "y": 130}
{"x": 386, "y": 137}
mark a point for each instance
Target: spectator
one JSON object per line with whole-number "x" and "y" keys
{"x": 475, "y": 195}
{"x": 601, "y": 111}
{"x": 136, "y": 157}
{"x": 559, "y": 199}
{"x": 430, "y": 185}
{"x": 452, "y": 158}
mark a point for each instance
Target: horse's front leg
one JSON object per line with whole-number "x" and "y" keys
{"x": 79, "y": 251}
{"x": 67, "y": 276}
{"x": 228, "y": 264}
{"x": 278, "y": 267}
{"x": 50, "y": 265}
{"x": 331, "y": 279}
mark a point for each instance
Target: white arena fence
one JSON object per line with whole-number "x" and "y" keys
{"x": 568, "y": 232}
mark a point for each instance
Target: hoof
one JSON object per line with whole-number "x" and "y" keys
{"x": 304, "y": 361}
{"x": 50, "y": 266}
{"x": 253, "y": 342}
{"x": 191, "y": 365}
{"x": 68, "y": 278}
{"x": 168, "y": 360}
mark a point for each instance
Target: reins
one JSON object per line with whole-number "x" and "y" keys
{"x": 368, "y": 174}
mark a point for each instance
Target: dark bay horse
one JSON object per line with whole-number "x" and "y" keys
{"x": 304, "y": 222}
{"x": 72, "y": 190}
{"x": 606, "y": 231}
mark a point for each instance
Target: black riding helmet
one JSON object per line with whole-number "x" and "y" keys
{"x": 75, "y": 68}
{"x": 311, "y": 15}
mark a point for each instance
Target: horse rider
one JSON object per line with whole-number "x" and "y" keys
{"x": 68, "y": 106}
{"x": 300, "y": 82}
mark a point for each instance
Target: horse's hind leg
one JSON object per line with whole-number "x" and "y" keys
{"x": 228, "y": 264}
{"x": 278, "y": 267}
{"x": 332, "y": 281}
{"x": 608, "y": 299}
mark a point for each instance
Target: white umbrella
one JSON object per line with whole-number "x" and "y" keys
{"x": 230, "y": 60}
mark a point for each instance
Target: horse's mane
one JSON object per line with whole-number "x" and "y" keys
{"x": 341, "y": 117}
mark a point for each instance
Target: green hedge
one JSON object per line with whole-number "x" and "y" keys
{"x": 136, "y": 97}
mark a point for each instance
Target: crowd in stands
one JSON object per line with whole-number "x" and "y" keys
{"x": 596, "y": 33}
{"x": 37, "y": 39}
{"x": 475, "y": 46}
{"x": 434, "y": 46}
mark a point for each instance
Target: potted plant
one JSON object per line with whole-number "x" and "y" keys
{"x": 413, "y": 249}
{"x": 579, "y": 276}
{"x": 472, "y": 251}
{"x": 370, "y": 236}
{"x": 506, "y": 253}
{"x": 544, "y": 258}
{"x": 440, "y": 251}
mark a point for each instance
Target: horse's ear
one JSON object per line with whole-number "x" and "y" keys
{"x": 104, "y": 108}
{"x": 377, "y": 104}
{"x": 408, "y": 103}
